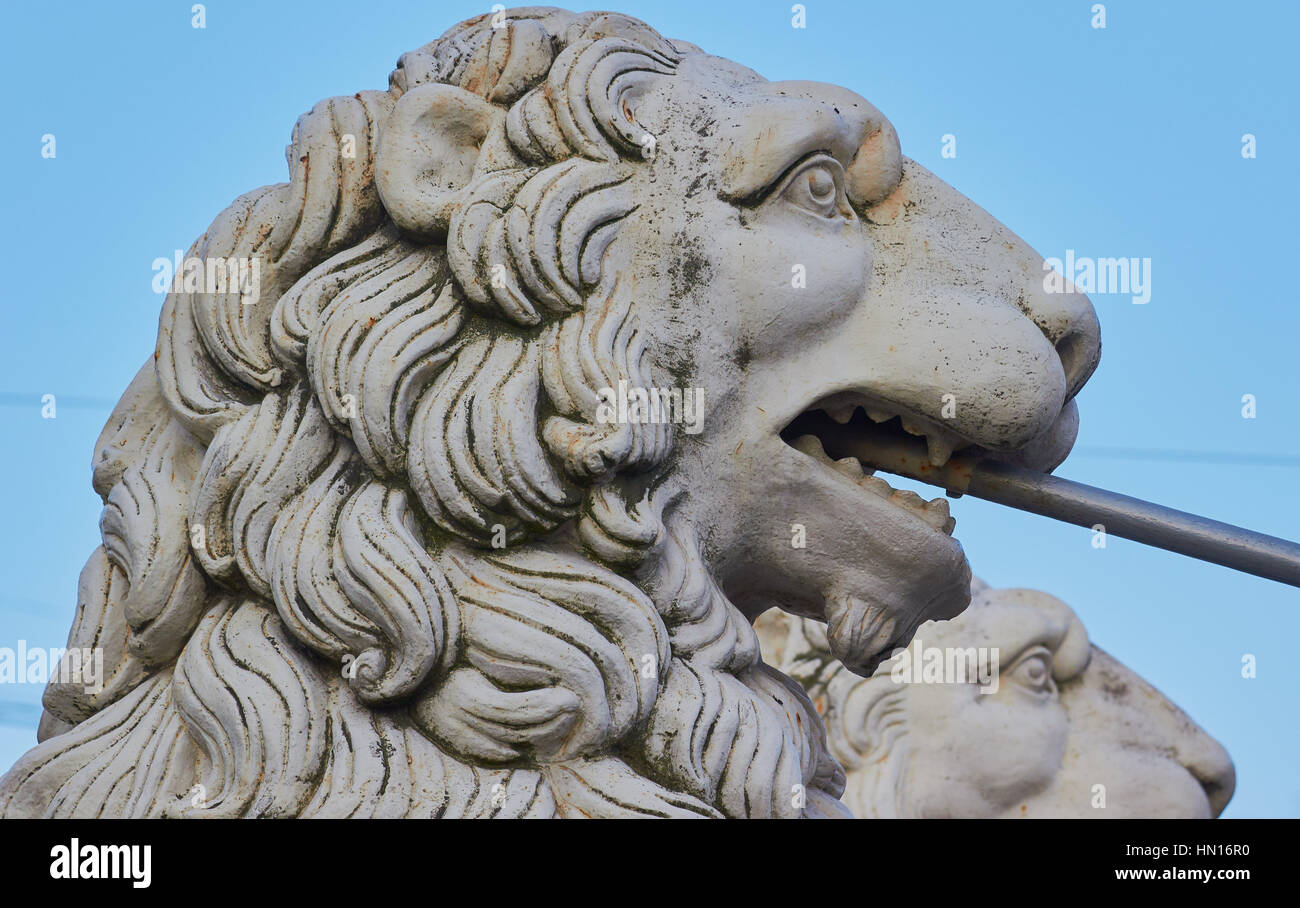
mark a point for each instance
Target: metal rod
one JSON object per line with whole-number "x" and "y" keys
{"x": 1142, "y": 521}
{"x": 1079, "y": 504}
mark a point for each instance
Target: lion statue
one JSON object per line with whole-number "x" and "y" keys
{"x": 1057, "y": 728}
{"x": 467, "y": 507}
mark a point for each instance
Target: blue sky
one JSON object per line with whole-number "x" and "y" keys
{"x": 1123, "y": 141}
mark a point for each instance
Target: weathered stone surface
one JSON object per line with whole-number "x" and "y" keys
{"x": 382, "y": 535}
{"x": 1059, "y": 728}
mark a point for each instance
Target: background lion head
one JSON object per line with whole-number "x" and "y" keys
{"x": 1060, "y": 729}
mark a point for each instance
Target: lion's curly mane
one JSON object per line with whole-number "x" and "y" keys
{"x": 298, "y": 595}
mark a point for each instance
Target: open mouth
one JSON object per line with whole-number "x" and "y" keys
{"x": 844, "y": 431}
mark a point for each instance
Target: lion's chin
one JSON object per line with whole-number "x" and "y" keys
{"x": 862, "y": 630}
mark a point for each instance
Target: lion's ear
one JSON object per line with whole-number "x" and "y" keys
{"x": 427, "y": 153}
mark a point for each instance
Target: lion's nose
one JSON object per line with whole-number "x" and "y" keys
{"x": 1113, "y": 704}
{"x": 1208, "y": 761}
{"x": 1069, "y": 321}
{"x": 1172, "y": 733}
{"x": 965, "y": 311}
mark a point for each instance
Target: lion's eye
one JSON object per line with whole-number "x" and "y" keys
{"x": 1034, "y": 671}
{"x": 816, "y": 187}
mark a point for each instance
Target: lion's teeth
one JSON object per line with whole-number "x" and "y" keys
{"x": 935, "y": 512}
{"x": 938, "y": 507}
{"x": 879, "y": 415}
{"x": 908, "y": 499}
{"x": 810, "y": 445}
{"x": 940, "y": 449}
{"x": 841, "y": 413}
{"x": 850, "y": 467}
{"x": 877, "y": 485}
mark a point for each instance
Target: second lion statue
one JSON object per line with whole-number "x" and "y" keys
{"x": 416, "y": 527}
{"x": 1058, "y": 729}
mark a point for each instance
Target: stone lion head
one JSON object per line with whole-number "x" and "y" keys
{"x": 385, "y": 538}
{"x": 1060, "y": 728}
